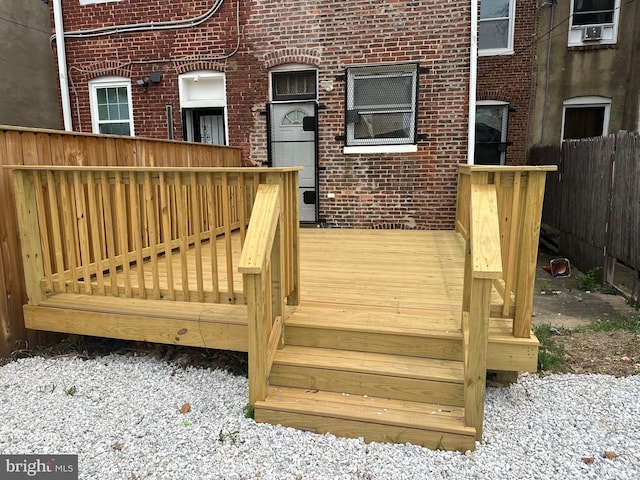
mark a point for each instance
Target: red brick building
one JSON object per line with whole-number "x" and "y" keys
{"x": 506, "y": 74}
{"x": 372, "y": 98}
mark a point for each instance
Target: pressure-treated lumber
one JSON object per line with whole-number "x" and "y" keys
{"x": 372, "y": 418}
{"x": 219, "y": 326}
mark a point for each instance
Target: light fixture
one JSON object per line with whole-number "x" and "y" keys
{"x": 143, "y": 82}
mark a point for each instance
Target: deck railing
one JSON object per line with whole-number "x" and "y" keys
{"x": 520, "y": 193}
{"x": 483, "y": 265}
{"x": 262, "y": 262}
{"x": 116, "y": 230}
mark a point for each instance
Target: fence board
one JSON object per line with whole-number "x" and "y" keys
{"x": 598, "y": 183}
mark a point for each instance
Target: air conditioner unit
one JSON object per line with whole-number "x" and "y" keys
{"x": 591, "y": 34}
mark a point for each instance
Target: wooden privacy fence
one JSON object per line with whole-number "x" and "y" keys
{"x": 140, "y": 232}
{"x": 594, "y": 200}
{"x": 19, "y": 146}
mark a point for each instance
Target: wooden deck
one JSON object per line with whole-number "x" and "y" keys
{"x": 381, "y": 334}
{"x": 402, "y": 283}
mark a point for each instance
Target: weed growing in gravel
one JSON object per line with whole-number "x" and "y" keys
{"x": 231, "y": 437}
{"x": 550, "y": 354}
{"x": 248, "y": 411}
{"x": 71, "y": 391}
{"x": 48, "y": 388}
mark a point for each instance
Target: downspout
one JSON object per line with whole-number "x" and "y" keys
{"x": 473, "y": 81}
{"x": 62, "y": 65}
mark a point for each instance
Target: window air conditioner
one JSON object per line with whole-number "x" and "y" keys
{"x": 590, "y": 34}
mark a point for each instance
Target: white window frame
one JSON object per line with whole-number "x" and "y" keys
{"x": 382, "y": 145}
{"x": 211, "y": 94}
{"x": 609, "y": 30}
{"x": 508, "y": 50}
{"x": 108, "y": 82}
{"x": 586, "y": 102}
{"x": 505, "y": 122}
{"x": 291, "y": 67}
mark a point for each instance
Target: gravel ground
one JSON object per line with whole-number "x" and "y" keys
{"x": 122, "y": 416}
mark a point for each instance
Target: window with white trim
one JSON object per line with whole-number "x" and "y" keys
{"x": 110, "y": 102}
{"x": 381, "y": 105}
{"x": 491, "y": 132}
{"x": 496, "y": 26}
{"x": 584, "y": 117}
{"x": 593, "y": 22}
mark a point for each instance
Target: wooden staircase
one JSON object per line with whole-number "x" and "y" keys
{"x": 388, "y": 379}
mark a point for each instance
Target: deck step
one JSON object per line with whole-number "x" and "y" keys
{"x": 374, "y": 374}
{"x": 373, "y": 418}
{"x": 386, "y": 331}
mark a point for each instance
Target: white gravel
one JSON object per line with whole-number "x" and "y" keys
{"x": 124, "y": 423}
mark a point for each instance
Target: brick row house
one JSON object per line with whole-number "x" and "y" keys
{"x": 371, "y": 97}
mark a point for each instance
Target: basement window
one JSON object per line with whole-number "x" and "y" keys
{"x": 381, "y": 107}
{"x": 585, "y": 117}
{"x": 110, "y": 102}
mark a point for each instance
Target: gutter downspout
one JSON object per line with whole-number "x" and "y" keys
{"x": 62, "y": 65}
{"x": 473, "y": 81}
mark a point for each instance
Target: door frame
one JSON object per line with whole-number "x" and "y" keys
{"x": 316, "y": 151}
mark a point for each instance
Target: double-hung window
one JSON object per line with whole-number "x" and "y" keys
{"x": 495, "y": 27}
{"x": 110, "y": 101}
{"x": 593, "y": 22}
{"x": 381, "y": 106}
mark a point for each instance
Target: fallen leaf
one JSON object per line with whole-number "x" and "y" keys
{"x": 588, "y": 460}
{"x": 117, "y": 446}
{"x": 610, "y": 454}
{"x": 258, "y": 475}
{"x": 298, "y": 477}
{"x": 186, "y": 407}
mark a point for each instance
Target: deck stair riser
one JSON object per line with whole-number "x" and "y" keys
{"x": 385, "y": 332}
{"x": 372, "y": 374}
{"x": 374, "y": 419}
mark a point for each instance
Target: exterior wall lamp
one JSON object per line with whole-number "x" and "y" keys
{"x": 143, "y": 82}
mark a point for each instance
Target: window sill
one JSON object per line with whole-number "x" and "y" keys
{"x": 575, "y": 47}
{"x": 494, "y": 52}
{"x": 410, "y": 148}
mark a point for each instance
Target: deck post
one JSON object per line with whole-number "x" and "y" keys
{"x": 476, "y": 361}
{"x": 261, "y": 262}
{"x": 528, "y": 253}
{"x": 483, "y": 264}
{"x": 27, "y": 214}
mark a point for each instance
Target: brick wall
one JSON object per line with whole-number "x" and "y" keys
{"x": 408, "y": 190}
{"x": 510, "y": 78}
